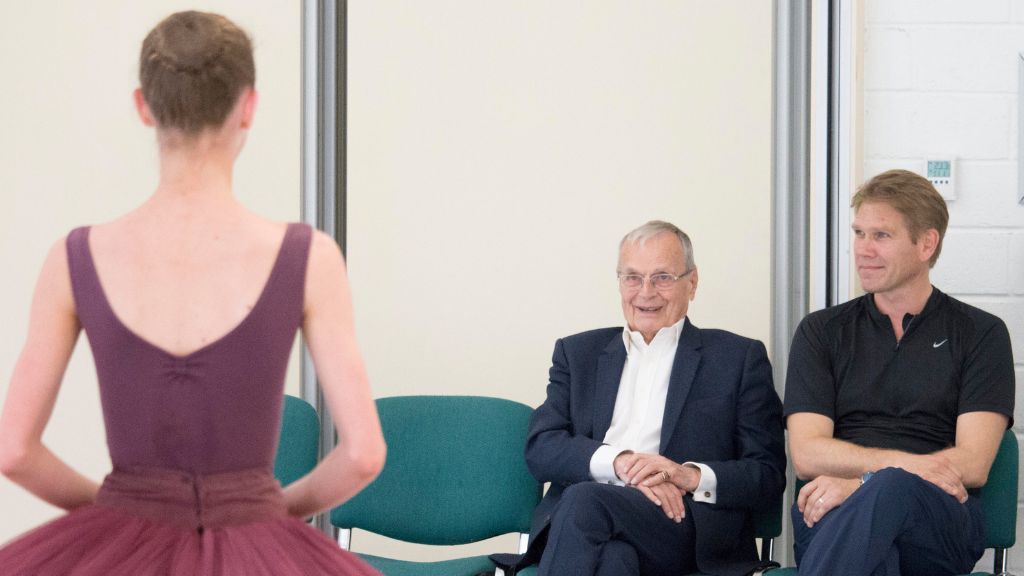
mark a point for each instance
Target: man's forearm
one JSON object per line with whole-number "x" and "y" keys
{"x": 821, "y": 456}
{"x": 978, "y": 435}
{"x": 832, "y": 457}
{"x": 816, "y": 452}
{"x": 973, "y": 472}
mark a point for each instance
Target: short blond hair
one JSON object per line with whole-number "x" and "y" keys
{"x": 913, "y": 196}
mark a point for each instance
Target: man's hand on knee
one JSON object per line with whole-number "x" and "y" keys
{"x": 822, "y": 494}
{"x": 668, "y": 496}
{"x": 936, "y": 469}
{"x": 663, "y": 481}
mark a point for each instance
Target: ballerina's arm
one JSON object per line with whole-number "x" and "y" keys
{"x": 329, "y": 331}
{"x": 53, "y": 331}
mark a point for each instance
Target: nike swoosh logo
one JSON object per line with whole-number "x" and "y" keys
{"x": 937, "y": 344}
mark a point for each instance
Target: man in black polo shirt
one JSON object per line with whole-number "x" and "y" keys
{"x": 896, "y": 403}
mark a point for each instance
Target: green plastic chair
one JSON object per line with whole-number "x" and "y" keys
{"x": 299, "y": 444}
{"x": 455, "y": 474}
{"x": 999, "y": 501}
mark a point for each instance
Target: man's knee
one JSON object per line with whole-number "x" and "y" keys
{"x": 582, "y": 494}
{"x": 893, "y": 477}
{"x": 893, "y": 484}
{"x": 586, "y": 503}
{"x": 581, "y": 497}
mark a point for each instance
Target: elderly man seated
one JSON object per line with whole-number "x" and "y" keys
{"x": 659, "y": 438}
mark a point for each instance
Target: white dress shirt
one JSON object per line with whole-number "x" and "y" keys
{"x": 640, "y": 407}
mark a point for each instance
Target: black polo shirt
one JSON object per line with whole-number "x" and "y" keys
{"x": 846, "y": 364}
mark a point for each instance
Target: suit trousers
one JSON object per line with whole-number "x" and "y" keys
{"x": 895, "y": 524}
{"x": 605, "y": 530}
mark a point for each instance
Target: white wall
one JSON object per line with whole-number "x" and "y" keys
{"x": 73, "y": 153}
{"x": 941, "y": 78}
{"x": 498, "y": 152}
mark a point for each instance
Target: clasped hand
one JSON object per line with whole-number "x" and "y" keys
{"x": 661, "y": 480}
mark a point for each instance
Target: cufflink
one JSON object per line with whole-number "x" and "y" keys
{"x": 707, "y": 494}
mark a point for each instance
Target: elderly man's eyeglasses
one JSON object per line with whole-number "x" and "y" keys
{"x": 659, "y": 281}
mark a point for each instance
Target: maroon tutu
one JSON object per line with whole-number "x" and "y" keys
{"x": 216, "y": 413}
{"x": 165, "y": 523}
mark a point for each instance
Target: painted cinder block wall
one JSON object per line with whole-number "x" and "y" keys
{"x": 940, "y": 79}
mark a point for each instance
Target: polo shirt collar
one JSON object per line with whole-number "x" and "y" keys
{"x": 933, "y": 302}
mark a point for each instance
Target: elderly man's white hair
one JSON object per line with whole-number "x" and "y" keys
{"x": 654, "y": 228}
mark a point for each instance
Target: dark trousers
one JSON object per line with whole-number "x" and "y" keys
{"x": 603, "y": 530}
{"x": 895, "y": 524}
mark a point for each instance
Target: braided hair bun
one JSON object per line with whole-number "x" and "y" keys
{"x": 192, "y": 68}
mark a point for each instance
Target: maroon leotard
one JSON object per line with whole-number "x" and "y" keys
{"x": 192, "y": 440}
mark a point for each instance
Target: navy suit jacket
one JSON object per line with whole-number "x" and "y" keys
{"x": 721, "y": 410}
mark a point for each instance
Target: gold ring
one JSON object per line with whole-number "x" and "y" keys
{"x": 664, "y": 475}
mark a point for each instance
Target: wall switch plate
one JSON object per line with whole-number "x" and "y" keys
{"x": 941, "y": 172}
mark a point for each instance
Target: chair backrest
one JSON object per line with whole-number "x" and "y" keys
{"x": 455, "y": 472}
{"x": 299, "y": 444}
{"x": 999, "y": 495}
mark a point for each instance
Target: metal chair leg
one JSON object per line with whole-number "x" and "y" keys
{"x": 999, "y": 562}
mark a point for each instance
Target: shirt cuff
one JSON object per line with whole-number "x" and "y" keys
{"x": 707, "y": 487}
{"x": 602, "y": 465}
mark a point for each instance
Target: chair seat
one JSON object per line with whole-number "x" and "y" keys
{"x": 459, "y": 567}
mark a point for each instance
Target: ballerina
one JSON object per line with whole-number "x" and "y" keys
{"x": 191, "y": 304}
